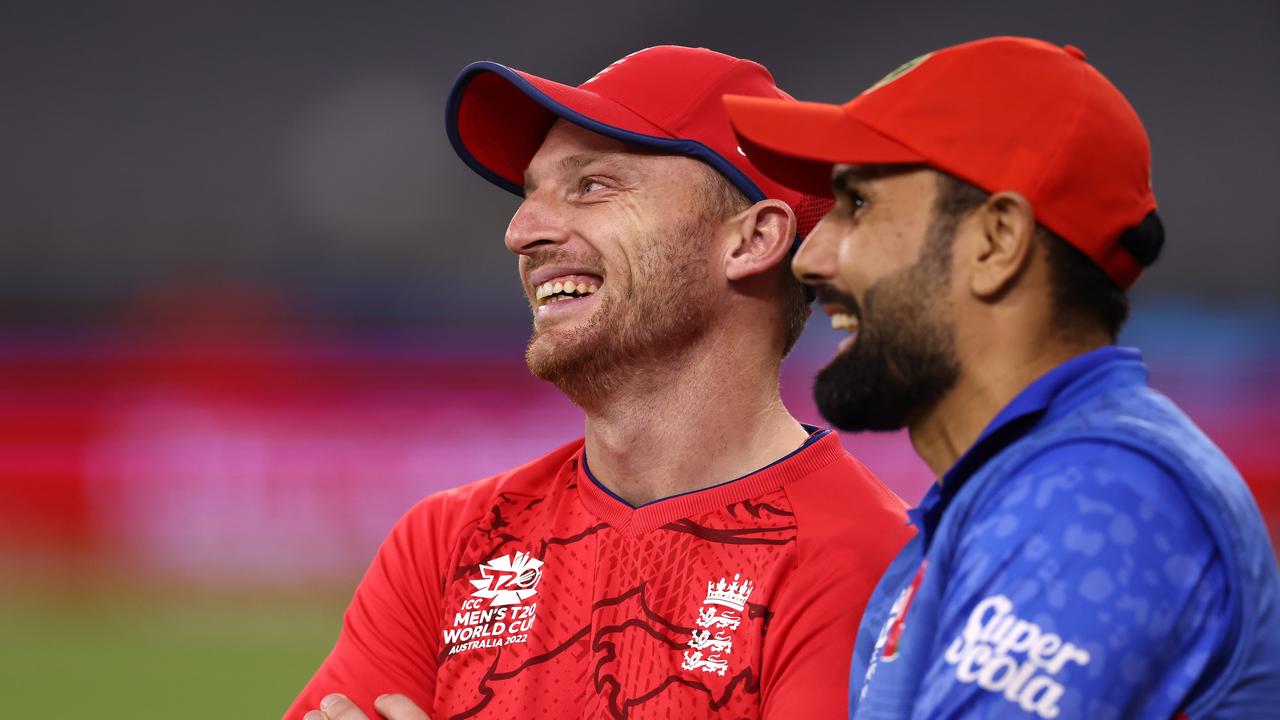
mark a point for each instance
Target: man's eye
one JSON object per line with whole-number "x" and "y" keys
{"x": 854, "y": 201}
{"x": 590, "y": 185}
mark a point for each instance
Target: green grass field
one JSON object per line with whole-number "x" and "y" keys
{"x": 148, "y": 654}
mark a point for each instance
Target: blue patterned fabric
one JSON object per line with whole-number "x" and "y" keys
{"x": 1093, "y": 555}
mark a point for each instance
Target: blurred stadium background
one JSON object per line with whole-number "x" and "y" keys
{"x": 252, "y": 307}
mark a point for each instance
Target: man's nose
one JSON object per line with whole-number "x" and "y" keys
{"x": 535, "y": 225}
{"x": 815, "y": 261}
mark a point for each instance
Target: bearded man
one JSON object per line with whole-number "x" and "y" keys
{"x": 1086, "y": 552}
{"x": 700, "y": 553}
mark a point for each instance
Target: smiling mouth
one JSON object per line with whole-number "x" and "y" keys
{"x": 569, "y": 287}
{"x": 846, "y": 321}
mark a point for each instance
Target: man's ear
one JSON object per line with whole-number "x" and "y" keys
{"x": 761, "y": 239}
{"x": 1004, "y": 234}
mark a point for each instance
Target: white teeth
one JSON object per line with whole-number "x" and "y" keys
{"x": 547, "y": 290}
{"x": 845, "y": 321}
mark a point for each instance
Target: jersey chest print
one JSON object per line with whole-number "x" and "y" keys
{"x": 592, "y": 622}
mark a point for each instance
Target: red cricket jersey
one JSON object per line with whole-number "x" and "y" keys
{"x": 539, "y": 594}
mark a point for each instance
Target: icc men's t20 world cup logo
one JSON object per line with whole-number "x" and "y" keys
{"x": 508, "y": 580}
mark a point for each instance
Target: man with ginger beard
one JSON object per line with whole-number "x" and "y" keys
{"x": 1086, "y": 552}
{"x": 700, "y": 553}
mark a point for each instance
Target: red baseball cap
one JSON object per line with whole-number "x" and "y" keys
{"x": 1003, "y": 113}
{"x": 665, "y": 98}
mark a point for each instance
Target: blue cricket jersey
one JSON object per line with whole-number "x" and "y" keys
{"x": 1093, "y": 555}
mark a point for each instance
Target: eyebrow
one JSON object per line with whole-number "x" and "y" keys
{"x": 849, "y": 176}
{"x": 576, "y": 161}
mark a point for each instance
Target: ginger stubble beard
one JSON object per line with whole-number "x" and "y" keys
{"x": 639, "y": 332}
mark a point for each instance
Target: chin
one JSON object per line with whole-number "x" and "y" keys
{"x": 569, "y": 359}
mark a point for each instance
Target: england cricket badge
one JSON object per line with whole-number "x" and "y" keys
{"x": 711, "y": 644}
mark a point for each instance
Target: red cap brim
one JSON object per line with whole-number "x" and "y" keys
{"x": 498, "y": 117}
{"x": 797, "y": 143}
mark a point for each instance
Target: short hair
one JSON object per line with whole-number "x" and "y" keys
{"x": 1082, "y": 292}
{"x": 723, "y": 199}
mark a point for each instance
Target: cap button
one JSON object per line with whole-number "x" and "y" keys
{"x": 1074, "y": 51}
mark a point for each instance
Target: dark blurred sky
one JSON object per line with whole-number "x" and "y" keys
{"x": 297, "y": 149}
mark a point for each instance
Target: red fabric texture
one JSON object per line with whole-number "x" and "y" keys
{"x": 628, "y": 617}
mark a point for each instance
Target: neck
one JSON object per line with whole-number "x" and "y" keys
{"x": 706, "y": 421}
{"x": 988, "y": 382}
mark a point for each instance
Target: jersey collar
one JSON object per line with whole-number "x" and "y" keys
{"x": 819, "y": 450}
{"x": 1054, "y": 394}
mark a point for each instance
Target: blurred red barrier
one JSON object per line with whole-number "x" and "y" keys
{"x": 279, "y": 463}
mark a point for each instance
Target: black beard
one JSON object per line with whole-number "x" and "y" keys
{"x": 904, "y": 358}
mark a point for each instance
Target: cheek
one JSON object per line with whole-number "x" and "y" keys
{"x": 874, "y": 250}
{"x": 645, "y": 244}
{"x": 860, "y": 260}
{"x": 606, "y": 231}
{"x": 615, "y": 248}
{"x": 630, "y": 215}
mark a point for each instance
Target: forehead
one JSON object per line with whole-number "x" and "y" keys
{"x": 564, "y": 138}
{"x": 904, "y": 183}
{"x": 868, "y": 173}
{"x": 568, "y": 148}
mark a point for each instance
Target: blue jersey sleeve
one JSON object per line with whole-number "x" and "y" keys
{"x": 866, "y": 645}
{"x": 1088, "y": 586}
